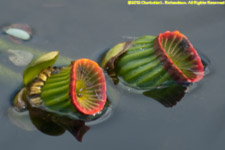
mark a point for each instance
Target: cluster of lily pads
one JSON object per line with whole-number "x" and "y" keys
{"x": 148, "y": 64}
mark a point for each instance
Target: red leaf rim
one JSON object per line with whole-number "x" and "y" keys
{"x": 172, "y": 69}
{"x": 73, "y": 81}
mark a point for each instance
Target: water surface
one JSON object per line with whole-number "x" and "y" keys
{"x": 85, "y": 29}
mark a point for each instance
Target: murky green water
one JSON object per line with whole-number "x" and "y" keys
{"x": 85, "y": 29}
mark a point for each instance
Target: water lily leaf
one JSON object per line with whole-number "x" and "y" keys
{"x": 20, "y": 57}
{"x": 38, "y": 65}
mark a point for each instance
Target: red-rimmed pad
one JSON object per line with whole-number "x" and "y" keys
{"x": 87, "y": 87}
{"x": 179, "y": 57}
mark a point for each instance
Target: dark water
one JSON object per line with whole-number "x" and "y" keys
{"x": 85, "y": 29}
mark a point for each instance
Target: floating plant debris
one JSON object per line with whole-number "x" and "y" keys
{"x": 153, "y": 63}
{"x": 19, "y": 31}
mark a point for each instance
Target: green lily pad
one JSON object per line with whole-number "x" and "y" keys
{"x": 36, "y": 66}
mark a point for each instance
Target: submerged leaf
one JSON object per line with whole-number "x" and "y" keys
{"x": 38, "y": 65}
{"x": 19, "y": 57}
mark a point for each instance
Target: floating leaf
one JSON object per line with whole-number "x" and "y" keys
{"x": 87, "y": 87}
{"x": 19, "y": 57}
{"x": 20, "y": 31}
{"x": 38, "y": 65}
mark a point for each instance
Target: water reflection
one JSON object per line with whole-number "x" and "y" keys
{"x": 47, "y": 123}
{"x": 54, "y": 125}
{"x": 168, "y": 96}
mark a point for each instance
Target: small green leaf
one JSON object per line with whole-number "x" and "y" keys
{"x": 38, "y": 65}
{"x": 114, "y": 53}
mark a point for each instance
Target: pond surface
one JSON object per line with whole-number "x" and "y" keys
{"x": 81, "y": 29}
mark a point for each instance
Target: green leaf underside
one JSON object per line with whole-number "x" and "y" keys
{"x": 38, "y": 65}
{"x": 140, "y": 68}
